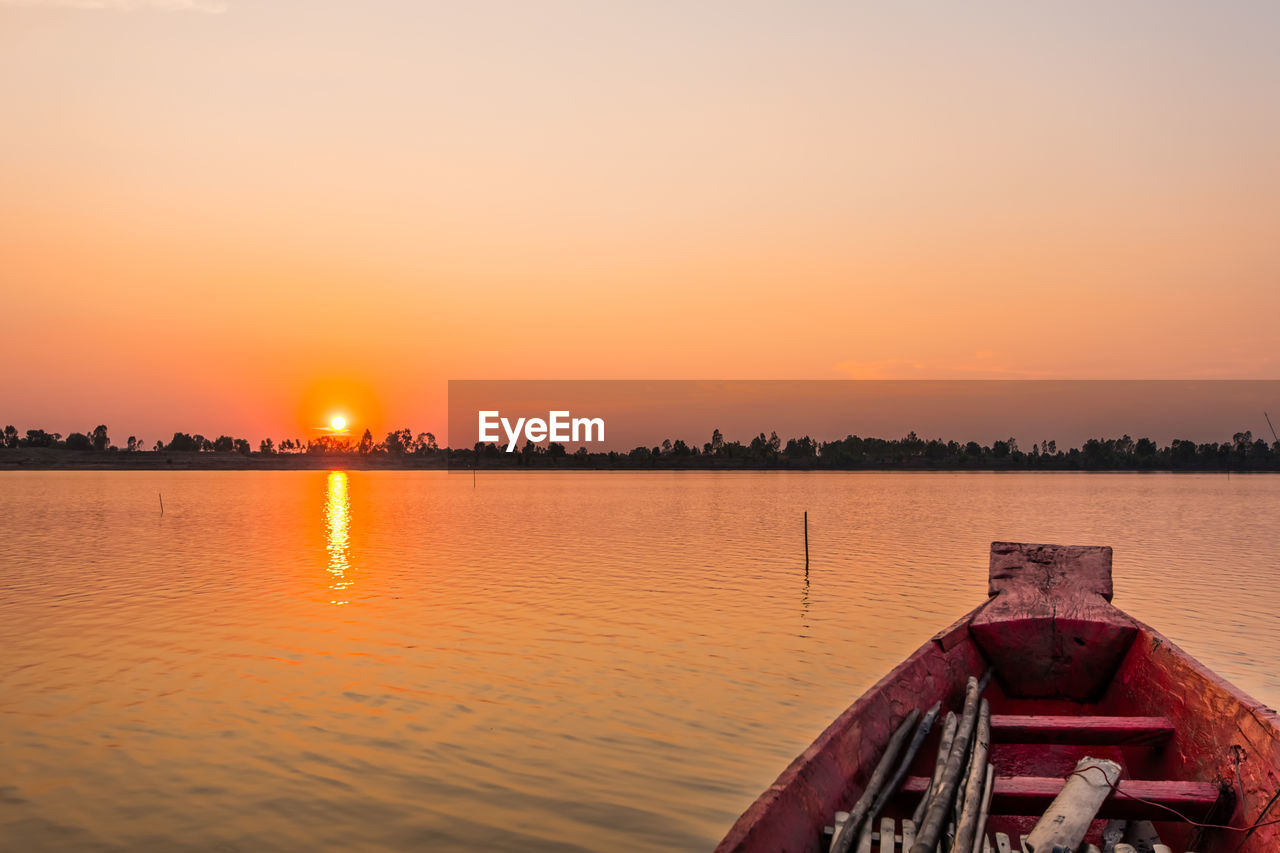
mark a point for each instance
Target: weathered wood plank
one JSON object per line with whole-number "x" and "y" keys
{"x": 1002, "y": 843}
{"x": 887, "y": 833}
{"x": 1080, "y": 731}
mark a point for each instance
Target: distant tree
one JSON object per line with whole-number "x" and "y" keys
{"x": 666, "y": 447}
{"x": 79, "y": 441}
{"x": 10, "y": 436}
{"x": 679, "y": 448}
{"x": 425, "y": 444}
{"x": 717, "y": 441}
{"x": 399, "y": 442}
{"x": 286, "y": 446}
{"x": 241, "y": 445}
{"x": 183, "y": 443}
{"x": 158, "y": 446}
{"x": 40, "y": 438}
{"x": 224, "y": 444}
{"x": 556, "y": 450}
{"x": 366, "y": 443}
{"x": 100, "y": 437}
{"x": 133, "y": 443}
{"x": 267, "y": 447}
{"x": 801, "y": 448}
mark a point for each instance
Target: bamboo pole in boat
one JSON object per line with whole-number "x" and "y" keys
{"x": 843, "y": 842}
{"x": 986, "y": 803}
{"x": 967, "y": 826}
{"x": 1069, "y": 815}
{"x": 928, "y": 833}
{"x": 904, "y": 764}
{"x": 1112, "y": 834}
{"x": 944, "y": 751}
{"x": 917, "y": 740}
{"x": 1142, "y": 835}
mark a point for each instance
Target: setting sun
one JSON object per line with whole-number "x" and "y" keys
{"x": 339, "y": 423}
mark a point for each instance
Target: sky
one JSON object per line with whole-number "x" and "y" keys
{"x": 241, "y": 216}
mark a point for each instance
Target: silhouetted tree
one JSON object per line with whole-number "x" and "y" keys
{"x": 366, "y": 443}
{"x": 399, "y": 442}
{"x": 40, "y": 438}
{"x": 132, "y": 444}
{"x": 100, "y": 437}
{"x": 10, "y": 436}
{"x": 241, "y": 445}
{"x": 224, "y": 444}
{"x": 79, "y": 441}
{"x": 267, "y": 447}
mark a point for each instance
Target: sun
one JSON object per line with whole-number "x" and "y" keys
{"x": 339, "y": 423}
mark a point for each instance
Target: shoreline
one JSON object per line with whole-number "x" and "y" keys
{"x": 42, "y": 459}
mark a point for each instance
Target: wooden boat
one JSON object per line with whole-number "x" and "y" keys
{"x": 1073, "y": 677}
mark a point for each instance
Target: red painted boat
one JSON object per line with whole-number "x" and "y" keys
{"x": 1074, "y": 676}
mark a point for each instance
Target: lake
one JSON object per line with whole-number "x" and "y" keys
{"x": 587, "y": 660}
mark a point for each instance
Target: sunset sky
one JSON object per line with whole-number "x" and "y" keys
{"x": 241, "y": 216}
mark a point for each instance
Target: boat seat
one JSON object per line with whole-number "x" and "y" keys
{"x": 1031, "y": 795}
{"x": 1080, "y": 731}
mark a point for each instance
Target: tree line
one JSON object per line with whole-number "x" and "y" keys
{"x": 397, "y": 443}
{"x": 1242, "y": 453}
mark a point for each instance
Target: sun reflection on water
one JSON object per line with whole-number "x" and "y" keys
{"x": 337, "y": 523}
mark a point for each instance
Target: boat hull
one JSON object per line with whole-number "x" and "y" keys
{"x": 1216, "y": 738}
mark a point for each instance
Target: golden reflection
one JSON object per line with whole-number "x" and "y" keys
{"x": 337, "y": 523}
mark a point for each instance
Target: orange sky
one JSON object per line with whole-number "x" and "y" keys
{"x": 239, "y": 216}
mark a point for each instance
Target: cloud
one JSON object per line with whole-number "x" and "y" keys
{"x": 211, "y": 7}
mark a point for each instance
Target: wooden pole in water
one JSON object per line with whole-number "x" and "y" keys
{"x": 806, "y": 540}
{"x": 161, "y": 497}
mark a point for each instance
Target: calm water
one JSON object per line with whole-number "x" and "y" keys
{"x": 377, "y": 660}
